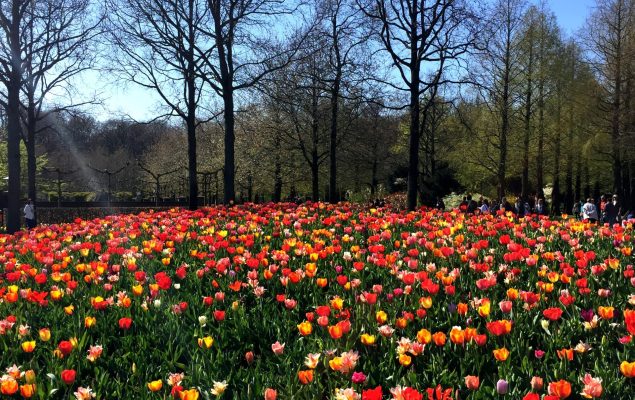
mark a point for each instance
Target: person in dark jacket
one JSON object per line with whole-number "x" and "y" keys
{"x": 463, "y": 205}
{"x": 612, "y": 211}
{"x": 471, "y": 205}
{"x": 519, "y": 207}
{"x": 440, "y": 204}
{"x": 540, "y": 208}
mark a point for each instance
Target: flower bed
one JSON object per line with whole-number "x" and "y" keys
{"x": 317, "y": 302}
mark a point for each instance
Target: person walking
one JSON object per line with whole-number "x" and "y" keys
{"x": 29, "y": 214}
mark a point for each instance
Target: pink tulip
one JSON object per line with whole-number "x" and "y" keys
{"x": 277, "y": 348}
{"x": 592, "y": 386}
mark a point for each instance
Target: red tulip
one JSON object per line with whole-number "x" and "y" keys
{"x": 68, "y": 376}
{"x": 125, "y": 323}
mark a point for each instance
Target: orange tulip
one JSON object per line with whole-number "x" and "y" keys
{"x": 271, "y": 394}
{"x": 562, "y": 389}
{"x": 335, "y": 331}
{"x": 470, "y": 333}
{"x": 565, "y": 353}
{"x": 457, "y": 336}
{"x": 305, "y": 376}
{"x": 27, "y": 391}
{"x": 190, "y": 394}
{"x": 499, "y": 328}
{"x": 439, "y": 338}
{"x": 45, "y": 334}
{"x": 405, "y": 360}
{"x": 628, "y": 369}
{"x": 90, "y": 321}
{"x": 472, "y": 382}
{"x": 9, "y": 386}
{"x": 337, "y": 303}
{"x": 606, "y": 312}
{"x": 501, "y": 354}
{"x": 424, "y": 336}
{"x": 305, "y": 328}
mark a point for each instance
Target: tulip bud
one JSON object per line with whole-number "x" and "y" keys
{"x": 502, "y": 386}
{"x": 249, "y": 357}
{"x": 45, "y": 334}
{"x": 271, "y": 394}
{"x": 29, "y": 376}
{"x": 536, "y": 383}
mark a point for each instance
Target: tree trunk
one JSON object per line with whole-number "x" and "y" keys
{"x": 230, "y": 139}
{"x": 568, "y": 198}
{"x": 504, "y": 131}
{"x": 250, "y": 187}
{"x": 335, "y": 93}
{"x": 631, "y": 172}
{"x": 587, "y": 179}
{"x": 413, "y": 159}
{"x": 540, "y": 183}
{"x": 191, "y": 147}
{"x": 13, "y": 124}
{"x": 277, "y": 174}
{"x": 315, "y": 164}
{"x": 578, "y": 178}
{"x": 373, "y": 179}
{"x": 615, "y": 134}
{"x": 30, "y": 147}
{"x": 335, "y": 96}
{"x": 527, "y": 135}
{"x": 555, "y": 197}
{"x": 413, "y": 156}
{"x": 315, "y": 179}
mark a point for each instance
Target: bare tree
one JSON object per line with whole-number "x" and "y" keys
{"x": 244, "y": 52}
{"x": 420, "y": 36}
{"x": 160, "y": 47}
{"x": 496, "y": 72}
{"x": 528, "y": 43}
{"x": 58, "y": 45}
{"x": 342, "y": 28}
{"x": 12, "y": 23}
{"x": 610, "y": 36}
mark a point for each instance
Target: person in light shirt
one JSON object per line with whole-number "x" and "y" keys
{"x": 29, "y": 214}
{"x": 485, "y": 206}
{"x": 590, "y": 211}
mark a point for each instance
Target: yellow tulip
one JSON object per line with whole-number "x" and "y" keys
{"x": 155, "y": 386}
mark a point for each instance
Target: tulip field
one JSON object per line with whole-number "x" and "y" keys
{"x": 318, "y": 301}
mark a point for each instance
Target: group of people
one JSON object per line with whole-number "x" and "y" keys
{"x": 607, "y": 210}
{"x": 520, "y": 207}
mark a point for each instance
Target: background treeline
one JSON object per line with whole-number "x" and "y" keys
{"x": 326, "y": 99}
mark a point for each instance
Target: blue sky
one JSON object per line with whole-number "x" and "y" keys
{"x": 129, "y": 100}
{"x": 571, "y": 14}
